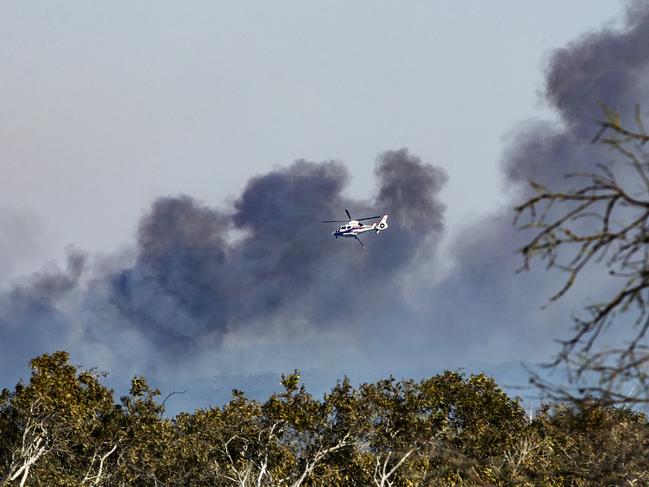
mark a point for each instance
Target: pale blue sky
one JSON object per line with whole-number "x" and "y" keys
{"x": 107, "y": 105}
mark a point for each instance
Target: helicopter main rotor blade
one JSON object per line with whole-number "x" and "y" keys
{"x": 335, "y": 221}
{"x": 347, "y": 211}
{"x": 368, "y": 218}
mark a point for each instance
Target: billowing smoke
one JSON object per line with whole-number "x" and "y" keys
{"x": 608, "y": 67}
{"x": 31, "y": 319}
{"x": 264, "y": 269}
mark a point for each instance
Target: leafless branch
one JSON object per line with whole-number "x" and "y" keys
{"x": 604, "y": 221}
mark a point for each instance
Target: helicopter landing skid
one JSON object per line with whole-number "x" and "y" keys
{"x": 361, "y": 242}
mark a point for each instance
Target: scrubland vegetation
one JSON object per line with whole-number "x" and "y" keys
{"x": 64, "y": 428}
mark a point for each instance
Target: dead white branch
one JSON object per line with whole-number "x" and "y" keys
{"x": 33, "y": 446}
{"x": 95, "y": 478}
{"x": 382, "y": 474}
{"x": 319, "y": 455}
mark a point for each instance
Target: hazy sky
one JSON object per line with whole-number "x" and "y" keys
{"x": 111, "y": 110}
{"x": 107, "y": 105}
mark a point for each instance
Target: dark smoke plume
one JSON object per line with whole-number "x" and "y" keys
{"x": 191, "y": 286}
{"x": 31, "y": 321}
{"x": 610, "y": 67}
{"x": 266, "y": 270}
{"x": 263, "y": 269}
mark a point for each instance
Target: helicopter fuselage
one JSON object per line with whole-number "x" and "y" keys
{"x": 353, "y": 229}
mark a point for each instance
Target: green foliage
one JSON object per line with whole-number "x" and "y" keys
{"x": 63, "y": 428}
{"x": 53, "y": 427}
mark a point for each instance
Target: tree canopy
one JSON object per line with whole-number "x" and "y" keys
{"x": 65, "y": 428}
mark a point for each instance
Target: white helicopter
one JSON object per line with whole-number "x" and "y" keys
{"x": 353, "y": 228}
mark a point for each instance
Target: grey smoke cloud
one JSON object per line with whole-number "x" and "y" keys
{"x": 30, "y": 318}
{"x": 607, "y": 67}
{"x": 603, "y": 67}
{"x": 201, "y": 278}
{"x": 191, "y": 285}
{"x": 611, "y": 67}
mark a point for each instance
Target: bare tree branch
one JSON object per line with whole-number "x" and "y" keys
{"x": 604, "y": 221}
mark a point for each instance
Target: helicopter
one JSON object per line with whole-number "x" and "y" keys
{"x": 352, "y": 228}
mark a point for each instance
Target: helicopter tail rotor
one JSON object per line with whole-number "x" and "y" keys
{"x": 382, "y": 225}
